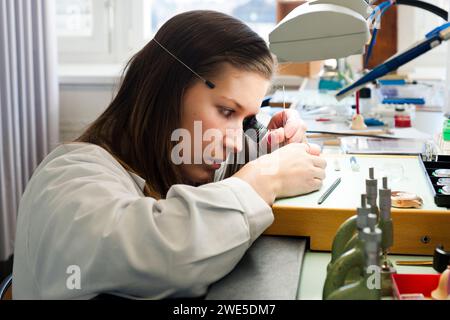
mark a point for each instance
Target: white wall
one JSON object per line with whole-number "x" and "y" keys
{"x": 80, "y": 105}
{"x": 413, "y": 24}
{"x": 85, "y": 92}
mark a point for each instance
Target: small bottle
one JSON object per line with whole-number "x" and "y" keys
{"x": 402, "y": 118}
{"x": 365, "y": 101}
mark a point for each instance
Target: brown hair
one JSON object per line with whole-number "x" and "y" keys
{"x": 136, "y": 127}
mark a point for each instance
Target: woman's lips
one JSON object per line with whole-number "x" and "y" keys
{"x": 215, "y": 164}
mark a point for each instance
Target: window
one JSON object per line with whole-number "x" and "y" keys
{"x": 110, "y": 31}
{"x": 75, "y": 18}
{"x": 83, "y": 28}
{"x": 260, "y": 15}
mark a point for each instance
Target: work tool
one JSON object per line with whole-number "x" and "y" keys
{"x": 415, "y": 263}
{"x": 329, "y": 191}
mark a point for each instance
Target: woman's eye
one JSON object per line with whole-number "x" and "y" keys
{"x": 226, "y": 112}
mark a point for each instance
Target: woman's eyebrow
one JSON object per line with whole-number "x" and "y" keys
{"x": 240, "y": 106}
{"x": 234, "y": 101}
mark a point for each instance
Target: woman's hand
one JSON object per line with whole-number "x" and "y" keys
{"x": 286, "y": 172}
{"x": 287, "y": 127}
{"x": 299, "y": 171}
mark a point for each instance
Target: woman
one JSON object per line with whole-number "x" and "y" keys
{"x": 116, "y": 212}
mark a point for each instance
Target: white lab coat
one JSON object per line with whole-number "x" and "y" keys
{"x": 85, "y": 227}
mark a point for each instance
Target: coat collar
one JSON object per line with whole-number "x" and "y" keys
{"x": 139, "y": 181}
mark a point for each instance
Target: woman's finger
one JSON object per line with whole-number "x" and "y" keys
{"x": 319, "y": 173}
{"x": 314, "y": 149}
{"x": 317, "y": 184}
{"x": 277, "y": 137}
{"x": 299, "y": 137}
{"x": 319, "y": 162}
{"x": 278, "y": 120}
{"x": 293, "y": 126}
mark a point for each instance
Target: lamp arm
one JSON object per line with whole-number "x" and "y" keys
{"x": 433, "y": 39}
{"x": 426, "y": 6}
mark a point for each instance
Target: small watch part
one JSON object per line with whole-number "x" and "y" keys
{"x": 443, "y": 182}
{"x": 442, "y": 173}
{"x": 402, "y": 199}
{"x": 445, "y": 190}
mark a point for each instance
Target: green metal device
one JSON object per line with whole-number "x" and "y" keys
{"x": 370, "y": 221}
{"x": 352, "y": 260}
{"x": 354, "y": 240}
{"x": 385, "y": 221}
{"x": 387, "y": 228}
{"x": 367, "y": 288}
{"x": 347, "y": 236}
{"x": 347, "y": 230}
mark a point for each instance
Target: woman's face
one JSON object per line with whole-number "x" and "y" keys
{"x": 214, "y": 117}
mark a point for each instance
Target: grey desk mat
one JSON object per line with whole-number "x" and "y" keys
{"x": 270, "y": 270}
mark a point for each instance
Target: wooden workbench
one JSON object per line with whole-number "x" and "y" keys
{"x": 416, "y": 231}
